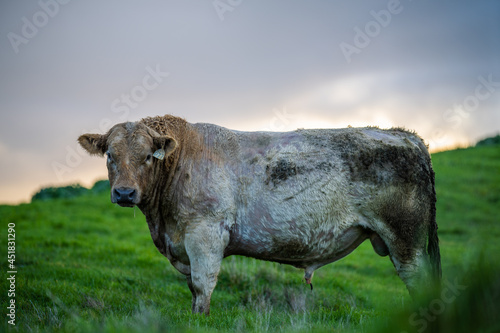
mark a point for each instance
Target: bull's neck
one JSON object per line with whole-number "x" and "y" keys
{"x": 158, "y": 206}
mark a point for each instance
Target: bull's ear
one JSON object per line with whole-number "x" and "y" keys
{"x": 164, "y": 146}
{"x": 94, "y": 144}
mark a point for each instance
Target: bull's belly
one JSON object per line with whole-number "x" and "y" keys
{"x": 300, "y": 248}
{"x": 302, "y": 224}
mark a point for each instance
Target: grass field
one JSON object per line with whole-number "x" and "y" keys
{"x": 85, "y": 265}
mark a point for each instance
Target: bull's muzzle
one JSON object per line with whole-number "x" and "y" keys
{"x": 124, "y": 196}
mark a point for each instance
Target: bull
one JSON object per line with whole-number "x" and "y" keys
{"x": 304, "y": 198}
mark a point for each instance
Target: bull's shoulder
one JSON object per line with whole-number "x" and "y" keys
{"x": 217, "y": 141}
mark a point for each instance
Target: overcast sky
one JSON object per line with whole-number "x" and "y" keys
{"x": 69, "y": 67}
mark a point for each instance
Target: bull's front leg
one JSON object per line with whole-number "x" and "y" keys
{"x": 205, "y": 247}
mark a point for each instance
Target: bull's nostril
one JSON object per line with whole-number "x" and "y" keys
{"x": 124, "y": 195}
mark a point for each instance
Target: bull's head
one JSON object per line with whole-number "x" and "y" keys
{"x": 133, "y": 152}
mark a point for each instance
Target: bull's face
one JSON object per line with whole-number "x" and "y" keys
{"x": 133, "y": 151}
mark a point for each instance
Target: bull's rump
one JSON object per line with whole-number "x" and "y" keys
{"x": 310, "y": 195}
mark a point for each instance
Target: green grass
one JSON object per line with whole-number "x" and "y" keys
{"x": 85, "y": 265}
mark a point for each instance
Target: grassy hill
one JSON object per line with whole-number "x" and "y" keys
{"x": 85, "y": 265}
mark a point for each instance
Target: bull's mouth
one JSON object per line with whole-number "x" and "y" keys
{"x": 125, "y": 204}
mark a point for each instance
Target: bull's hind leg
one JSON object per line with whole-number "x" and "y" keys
{"x": 412, "y": 268}
{"x": 404, "y": 213}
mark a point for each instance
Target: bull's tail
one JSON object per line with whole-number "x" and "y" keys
{"x": 433, "y": 244}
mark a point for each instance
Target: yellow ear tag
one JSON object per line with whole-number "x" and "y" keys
{"x": 159, "y": 154}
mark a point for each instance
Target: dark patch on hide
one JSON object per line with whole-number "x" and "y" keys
{"x": 325, "y": 166}
{"x": 254, "y": 160}
{"x": 373, "y": 161}
{"x": 292, "y": 248}
{"x": 387, "y": 164}
{"x": 281, "y": 171}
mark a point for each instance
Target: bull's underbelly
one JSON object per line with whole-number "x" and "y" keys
{"x": 300, "y": 248}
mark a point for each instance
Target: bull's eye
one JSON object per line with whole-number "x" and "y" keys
{"x": 110, "y": 159}
{"x": 148, "y": 158}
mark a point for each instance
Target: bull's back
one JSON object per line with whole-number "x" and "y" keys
{"x": 309, "y": 165}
